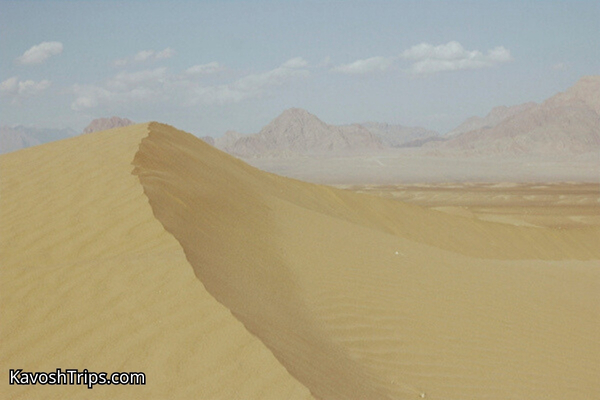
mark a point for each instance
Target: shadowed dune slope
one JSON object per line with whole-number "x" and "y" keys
{"x": 301, "y": 289}
{"x": 363, "y": 297}
{"x": 89, "y": 279}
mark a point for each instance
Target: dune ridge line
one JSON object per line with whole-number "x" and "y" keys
{"x": 288, "y": 258}
{"x": 91, "y": 280}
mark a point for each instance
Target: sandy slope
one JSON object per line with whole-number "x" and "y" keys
{"x": 89, "y": 279}
{"x": 357, "y": 297}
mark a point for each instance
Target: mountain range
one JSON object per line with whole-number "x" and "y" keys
{"x": 103, "y": 124}
{"x": 567, "y": 123}
{"x": 18, "y": 137}
{"x": 399, "y": 135}
{"x": 296, "y": 131}
{"x": 13, "y": 138}
{"x": 493, "y": 118}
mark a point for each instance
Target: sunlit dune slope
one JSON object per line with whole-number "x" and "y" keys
{"x": 362, "y": 297}
{"x": 298, "y": 288}
{"x": 89, "y": 279}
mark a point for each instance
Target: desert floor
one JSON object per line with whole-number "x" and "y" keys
{"x": 421, "y": 165}
{"x": 145, "y": 249}
{"x": 557, "y": 205}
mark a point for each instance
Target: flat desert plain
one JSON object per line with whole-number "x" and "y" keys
{"x": 558, "y": 205}
{"x": 418, "y": 165}
{"x": 145, "y": 249}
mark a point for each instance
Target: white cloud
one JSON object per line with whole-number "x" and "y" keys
{"x": 250, "y": 86}
{"x": 275, "y": 77}
{"x": 40, "y": 53}
{"x": 83, "y": 101}
{"x": 92, "y": 96}
{"x": 325, "y": 62}
{"x": 125, "y": 87}
{"x": 452, "y": 56}
{"x": 157, "y": 85}
{"x": 561, "y": 66}
{"x": 449, "y": 51}
{"x": 30, "y": 88}
{"x": 369, "y": 65}
{"x": 204, "y": 69}
{"x": 127, "y": 80}
{"x": 9, "y": 86}
{"x": 297, "y": 62}
{"x": 499, "y": 54}
{"x": 145, "y": 55}
{"x": 166, "y": 53}
{"x": 18, "y": 90}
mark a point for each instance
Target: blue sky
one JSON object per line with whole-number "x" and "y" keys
{"x": 210, "y": 66}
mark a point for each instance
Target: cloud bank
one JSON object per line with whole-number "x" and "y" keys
{"x": 204, "y": 69}
{"x": 17, "y": 90}
{"x": 40, "y": 53}
{"x": 158, "y": 85}
{"x": 452, "y": 56}
{"x": 369, "y": 65}
{"x": 426, "y": 58}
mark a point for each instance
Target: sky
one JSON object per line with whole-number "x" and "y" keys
{"x": 211, "y": 66}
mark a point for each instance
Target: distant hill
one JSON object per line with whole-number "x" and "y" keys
{"x": 493, "y": 118}
{"x": 208, "y": 139}
{"x": 399, "y": 135}
{"x": 296, "y": 131}
{"x": 18, "y": 137}
{"x": 227, "y": 140}
{"x": 102, "y": 124}
{"x": 567, "y": 123}
{"x": 423, "y": 141}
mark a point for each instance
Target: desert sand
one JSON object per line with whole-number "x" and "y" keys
{"x": 551, "y": 204}
{"x": 145, "y": 249}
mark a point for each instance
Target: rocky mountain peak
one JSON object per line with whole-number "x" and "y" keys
{"x": 102, "y": 124}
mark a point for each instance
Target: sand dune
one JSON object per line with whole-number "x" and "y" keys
{"x": 298, "y": 288}
{"x": 91, "y": 280}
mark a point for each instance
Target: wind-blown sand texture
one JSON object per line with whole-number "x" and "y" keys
{"x": 299, "y": 289}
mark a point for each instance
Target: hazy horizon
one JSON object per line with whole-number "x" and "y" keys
{"x": 208, "y": 67}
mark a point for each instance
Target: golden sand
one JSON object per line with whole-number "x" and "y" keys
{"x": 552, "y": 204}
{"x": 298, "y": 288}
{"x": 90, "y": 279}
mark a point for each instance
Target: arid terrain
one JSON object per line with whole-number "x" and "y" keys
{"x": 145, "y": 249}
{"x": 417, "y": 166}
{"x": 555, "y": 205}
{"x": 296, "y": 200}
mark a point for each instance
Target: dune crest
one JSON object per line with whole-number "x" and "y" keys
{"x": 300, "y": 290}
{"x": 90, "y": 280}
{"x": 362, "y": 297}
